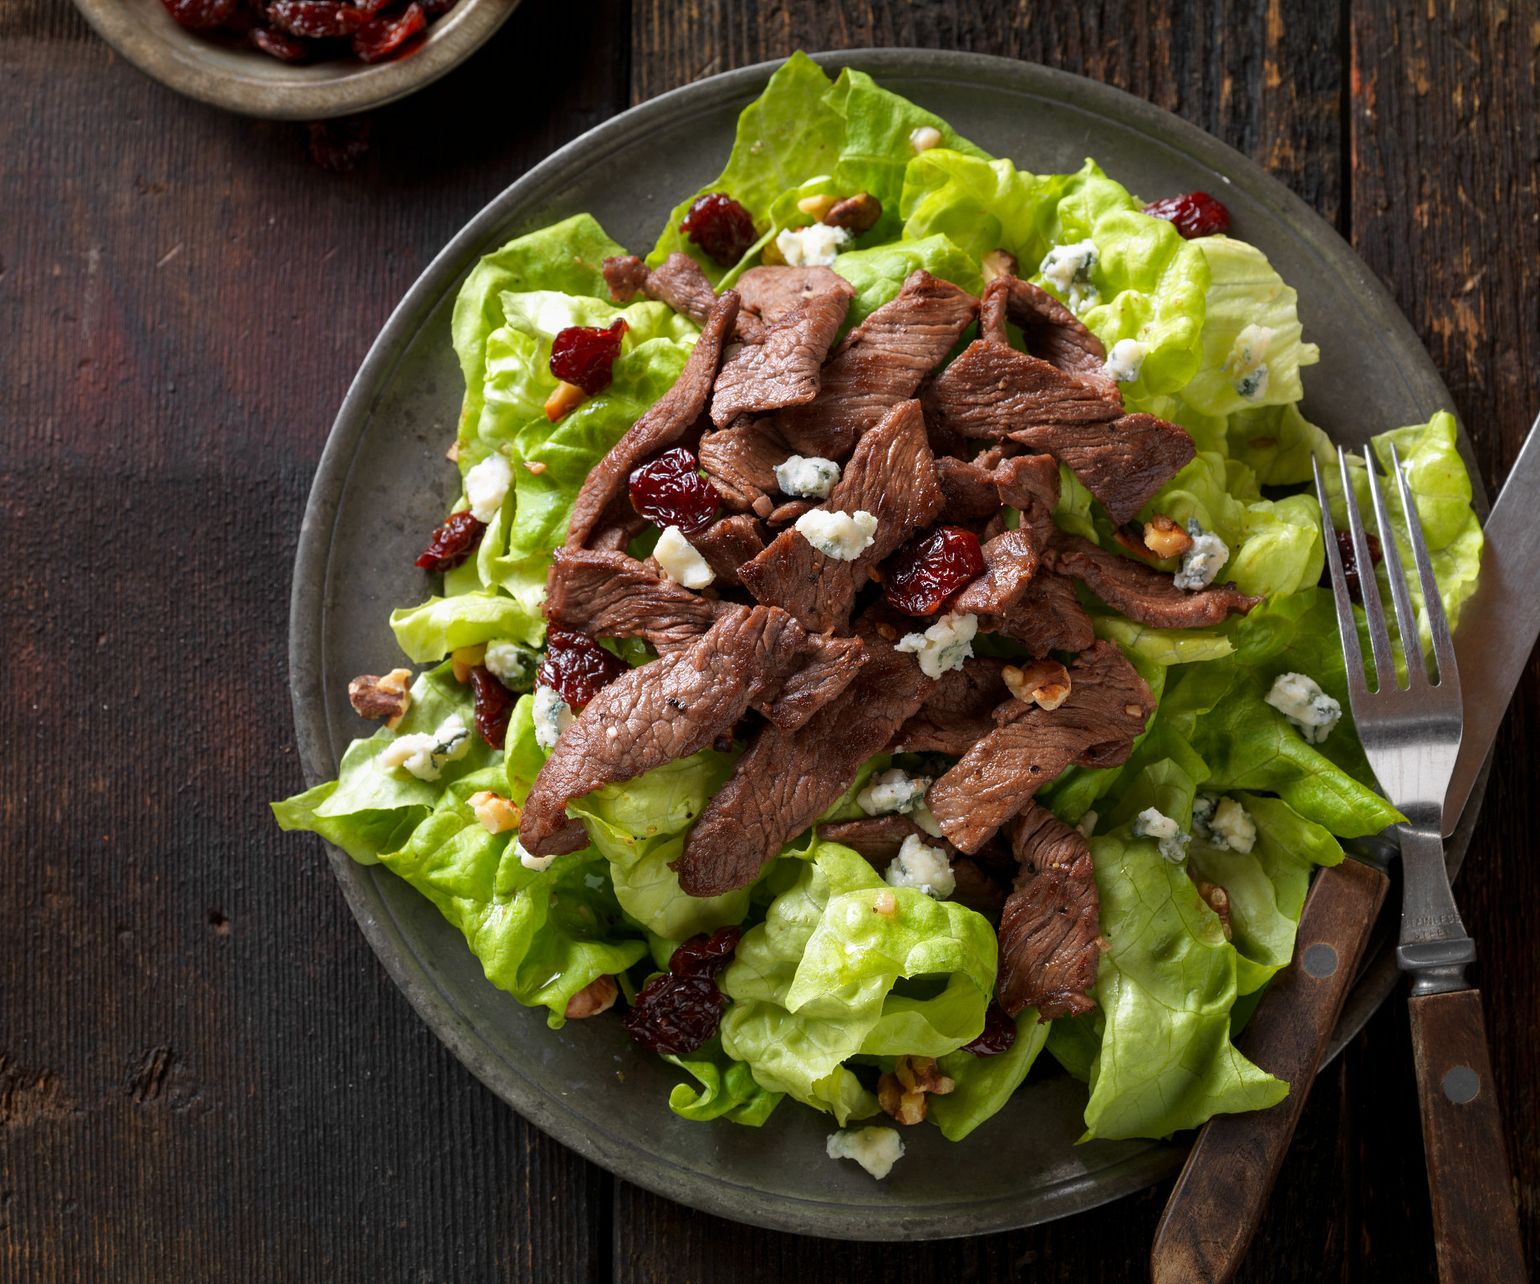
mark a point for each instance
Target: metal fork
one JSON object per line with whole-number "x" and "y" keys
{"x": 1411, "y": 735}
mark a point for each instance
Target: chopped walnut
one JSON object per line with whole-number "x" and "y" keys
{"x": 535, "y": 466}
{"x": 1165, "y": 538}
{"x": 453, "y": 453}
{"x": 1133, "y": 710}
{"x": 567, "y": 398}
{"x": 998, "y": 263}
{"x": 385, "y": 697}
{"x": 1042, "y": 682}
{"x": 466, "y": 658}
{"x": 885, "y": 903}
{"x": 856, "y": 214}
{"x": 817, "y": 206}
{"x": 902, "y": 1092}
{"x": 595, "y": 997}
{"x": 1218, "y": 900}
{"x": 496, "y": 813}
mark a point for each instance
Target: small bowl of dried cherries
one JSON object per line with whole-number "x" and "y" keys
{"x": 296, "y": 59}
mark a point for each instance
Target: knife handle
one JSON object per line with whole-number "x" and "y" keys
{"x": 1475, "y": 1228}
{"x": 1217, "y": 1203}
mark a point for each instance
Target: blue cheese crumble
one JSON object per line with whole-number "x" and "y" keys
{"x": 1203, "y": 560}
{"x": 893, "y": 791}
{"x": 1151, "y": 823}
{"x": 1126, "y": 359}
{"x": 944, "y": 646}
{"x": 842, "y": 536}
{"x": 529, "y": 860}
{"x": 807, "y": 476}
{"x": 1223, "y": 823}
{"x": 424, "y": 754}
{"x": 486, "y": 486}
{"x": 1247, "y": 362}
{"x": 813, "y": 246}
{"x": 1299, "y": 698}
{"x": 681, "y": 561}
{"x": 511, "y": 663}
{"x": 1068, "y": 269}
{"x": 875, "y": 1149}
{"x": 553, "y": 715}
{"x": 922, "y": 867}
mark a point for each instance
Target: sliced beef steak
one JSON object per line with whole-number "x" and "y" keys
{"x": 607, "y": 594}
{"x": 892, "y": 476}
{"x": 658, "y": 713}
{"x": 1010, "y": 562}
{"x": 800, "y": 310}
{"x": 968, "y": 491}
{"x": 991, "y": 391}
{"x": 603, "y": 500}
{"x": 1107, "y": 707}
{"x": 1030, "y": 484}
{"x": 1051, "y": 331}
{"x": 786, "y": 780}
{"x": 1122, "y": 463}
{"x": 959, "y": 712}
{"x": 878, "y": 838}
{"x": 1047, "y": 617}
{"x": 1145, "y": 595}
{"x": 626, "y": 275}
{"x": 831, "y": 666}
{"x": 678, "y": 282}
{"x": 1049, "y": 933}
{"x": 728, "y": 544}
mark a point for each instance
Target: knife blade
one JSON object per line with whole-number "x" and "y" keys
{"x": 1498, "y": 625}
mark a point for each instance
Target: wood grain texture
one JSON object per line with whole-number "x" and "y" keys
{"x": 204, "y": 1073}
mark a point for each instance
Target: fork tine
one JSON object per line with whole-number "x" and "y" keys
{"x": 1432, "y": 603}
{"x": 1347, "y": 627}
{"x": 1406, "y": 618}
{"x": 1368, "y": 585}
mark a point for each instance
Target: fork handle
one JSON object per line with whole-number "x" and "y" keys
{"x": 1475, "y": 1228}
{"x": 1219, "y": 1198}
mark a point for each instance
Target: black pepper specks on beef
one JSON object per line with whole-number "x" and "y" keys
{"x": 1144, "y": 594}
{"x": 1107, "y": 707}
{"x": 607, "y": 594}
{"x": 1049, "y": 934}
{"x": 1122, "y": 463}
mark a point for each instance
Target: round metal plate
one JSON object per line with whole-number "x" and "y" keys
{"x": 383, "y": 481}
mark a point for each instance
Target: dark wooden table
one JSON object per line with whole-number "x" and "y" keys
{"x": 204, "y": 1073}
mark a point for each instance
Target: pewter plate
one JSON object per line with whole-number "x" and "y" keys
{"x": 383, "y": 481}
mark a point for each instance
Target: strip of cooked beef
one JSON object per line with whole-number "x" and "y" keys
{"x": 1054, "y": 333}
{"x": 959, "y": 712}
{"x": 1122, "y": 463}
{"x": 1107, "y": 707}
{"x": 992, "y": 390}
{"x": 728, "y": 544}
{"x": 785, "y": 781}
{"x": 968, "y": 491}
{"x": 1030, "y": 484}
{"x": 1049, "y": 933}
{"x": 1145, "y": 595}
{"x": 678, "y": 282}
{"x": 785, "y": 514}
{"x": 831, "y": 666}
{"x": 878, "y": 838}
{"x": 658, "y": 713}
{"x": 607, "y": 594}
{"x": 603, "y": 501}
{"x": 626, "y": 276}
{"x": 1047, "y": 617}
{"x": 878, "y": 364}
{"x": 893, "y": 477}
{"x": 800, "y": 310}
{"x": 1010, "y": 562}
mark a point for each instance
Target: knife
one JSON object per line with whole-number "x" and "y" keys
{"x": 1214, "y": 1209}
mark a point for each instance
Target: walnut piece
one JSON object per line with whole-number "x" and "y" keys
{"x": 567, "y": 398}
{"x": 856, "y": 214}
{"x": 385, "y": 697}
{"x": 1165, "y": 538}
{"x": 595, "y": 997}
{"x": 1042, "y": 682}
{"x": 817, "y": 206}
{"x": 1218, "y": 900}
{"x": 496, "y": 813}
{"x": 998, "y": 263}
{"x": 902, "y": 1092}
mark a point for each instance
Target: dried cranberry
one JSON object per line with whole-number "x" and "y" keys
{"x": 1350, "y": 562}
{"x": 577, "y": 667}
{"x": 386, "y": 37}
{"x": 705, "y": 955}
{"x": 452, "y": 542}
{"x": 585, "y": 355}
{"x": 1194, "y": 213}
{"x": 316, "y": 19}
{"x": 494, "y": 706}
{"x": 340, "y": 145}
{"x": 200, "y": 15}
{"x": 675, "y": 1014}
{"x": 720, "y": 226}
{"x": 669, "y": 491}
{"x": 930, "y": 568}
{"x": 279, "y": 44}
{"x": 998, "y": 1034}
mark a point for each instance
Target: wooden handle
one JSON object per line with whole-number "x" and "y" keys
{"x": 1218, "y": 1200}
{"x": 1475, "y": 1228}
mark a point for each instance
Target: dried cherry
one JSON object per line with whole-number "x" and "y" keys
{"x": 493, "y": 705}
{"x": 576, "y": 667}
{"x": 929, "y": 569}
{"x": 1194, "y": 213}
{"x": 384, "y": 38}
{"x": 720, "y": 226}
{"x": 704, "y": 955}
{"x": 675, "y": 1014}
{"x": 998, "y": 1035}
{"x": 669, "y": 491}
{"x": 279, "y": 44}
{"x": 200, "y": 15}
{"x": 452, "y": 542}
{"x": 1350, "y": 562}
{"x": 585, "y": 355}
{"x": 315, "y": 19}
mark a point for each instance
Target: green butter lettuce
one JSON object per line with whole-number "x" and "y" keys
{"x": 727, "y": 1089}
{"x": 982, "y": 1085}
{"x": 879, "y": 273}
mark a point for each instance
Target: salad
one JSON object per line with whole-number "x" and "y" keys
{"x": 881, "y": 644}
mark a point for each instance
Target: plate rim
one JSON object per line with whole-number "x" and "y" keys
{"x": 310, "y": 593}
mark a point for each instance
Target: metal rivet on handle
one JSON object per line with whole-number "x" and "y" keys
{"x": 1319, "y": 961}
{"x": 1461, "y": 1085}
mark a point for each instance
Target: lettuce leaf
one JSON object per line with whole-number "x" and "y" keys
{"x": 727, "y": 1089}
{"x": 879, "y": 273}
{"x": 982, "y": 1085}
